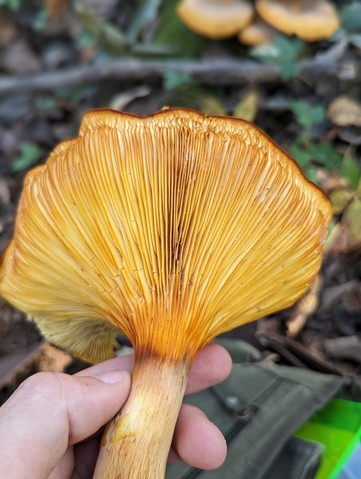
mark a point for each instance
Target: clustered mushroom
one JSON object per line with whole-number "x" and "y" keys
{"x": 310, "y": 20}
{"x": 215, "y": 19}
{"x": 172, "y": 229}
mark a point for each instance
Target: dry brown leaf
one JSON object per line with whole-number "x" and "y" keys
{"x": 121, "y": 100}
{"x": 20, "y": 59}
{"x": 55, "y": 7}
{"x": 343, "y": 111}
{"x": 8, "y": 31}
{"x": 346, "y": 235}
{"x": 53, "y": 359}
{"x": 305, "y": 307}
{"x": 330, "y": 180}
{"x": 352, "y": 221}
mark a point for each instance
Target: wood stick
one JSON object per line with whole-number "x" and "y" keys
{"x": 210, "y": 72}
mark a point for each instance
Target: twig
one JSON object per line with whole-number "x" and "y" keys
{"x": 211, "y": 72}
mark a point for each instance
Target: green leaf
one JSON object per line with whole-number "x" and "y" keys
{"x": 351, "y": 16}
{"x": 289, "y": 48}
{"x": 173, "y": 80}
{"x": 288, "y": 70}
{"x": 355, "y": 39}
{"x": 29, "y": 155}
{"x": 284, "y": 51}
{"x": 174, "y": 33}
{"x": 319, "y": 154}
{"x": 45, "y": 103}
{"x": 307, "y": 114}
{"x": 107, "y": 35}
{"x": 351, "y": 171}
{"x": 41, "y": 19}
{"x": 75, "y": 94}
{"x": 300, "y": 155}
{"x": 86, "y": 40}
{"x": 325, "y": 154}
{"x": 311, "y": 173}
{"x": 10, "y": 4}
{"x": 146, "y": 13}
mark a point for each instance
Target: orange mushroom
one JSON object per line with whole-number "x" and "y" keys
{"x": 257, "y": 33}
{"x": 310, "y": 20}
{"x": 171, "y": 228}
{"x": 215, "y": 19}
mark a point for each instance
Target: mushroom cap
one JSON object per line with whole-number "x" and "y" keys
{"x": 257, "y": 33}
{"x": 171, "y": 228}
{"x": 215, "y": 19}
{"x": 311, "y": 20}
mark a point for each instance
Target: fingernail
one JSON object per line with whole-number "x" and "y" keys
{"x": 116, "y": 376}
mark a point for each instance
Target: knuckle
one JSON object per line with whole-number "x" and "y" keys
{"x": 43, "y": 383}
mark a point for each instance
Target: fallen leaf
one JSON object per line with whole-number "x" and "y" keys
{"x": 120, "y": 101}
{"x": 20, "y": 59}
{"x": 304, "y": 308}
{"x": 340, "y": 198}
{"x": 8, "y": 32}
{"x": 107, "y": 34}
{"x": 352, "y": 222}
{"x": 336, "y": 242}
{"x": 55, "y": 7}
{"x": 343, "y": 111}
{"x": 211, "y": 106}
{"x": 330, "y": 180}
{"x": 53, "y": 359}
{"x": 247, "y": 108}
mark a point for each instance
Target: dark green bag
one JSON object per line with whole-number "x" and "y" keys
{"x": 258, "y": 408}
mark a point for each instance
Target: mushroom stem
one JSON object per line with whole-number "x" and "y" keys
{"x": 133, "y": 445}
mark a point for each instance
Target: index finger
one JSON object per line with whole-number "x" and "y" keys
{"x": 211, "y": 366}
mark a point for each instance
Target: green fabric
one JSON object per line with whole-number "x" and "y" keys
{"x": 258, "y": 408}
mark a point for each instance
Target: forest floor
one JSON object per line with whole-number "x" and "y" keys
{"x": 59, "y": 59}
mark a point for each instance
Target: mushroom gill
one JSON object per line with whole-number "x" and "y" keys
{"x": 171, "y": 228}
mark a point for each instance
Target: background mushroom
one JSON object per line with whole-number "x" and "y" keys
{"x": 310, "y": 20}
{"x": 172, "y": 228}
{"x": 257, "y": 33}
{"x": 215, "y": 18}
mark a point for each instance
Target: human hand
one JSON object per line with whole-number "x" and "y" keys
{"x": 50, "y": 427}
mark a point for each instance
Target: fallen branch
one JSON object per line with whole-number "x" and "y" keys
{"x": 211, "y": 72}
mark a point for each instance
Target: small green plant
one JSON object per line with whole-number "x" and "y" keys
{"x": 306, "y": 114}
{"x": 350, "y": 170}
{"x": 308, "y": 153}
{"x": 284, "y": 51}
{"x": 351, "y": 22}
{"x": 10, "y": 4}
{"x": 29, "y": 154}
{"x": 173, "y": 80}
{"x": 40, "y": 20}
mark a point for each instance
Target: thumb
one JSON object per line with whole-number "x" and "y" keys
{"x": 50, "y": 411}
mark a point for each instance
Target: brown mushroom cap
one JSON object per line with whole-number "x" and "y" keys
{"x": 310, "y": 20}
{"x": 257, "y": 33}
{"x": 172, "y": 228}
{"x": 215, "y": 19}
